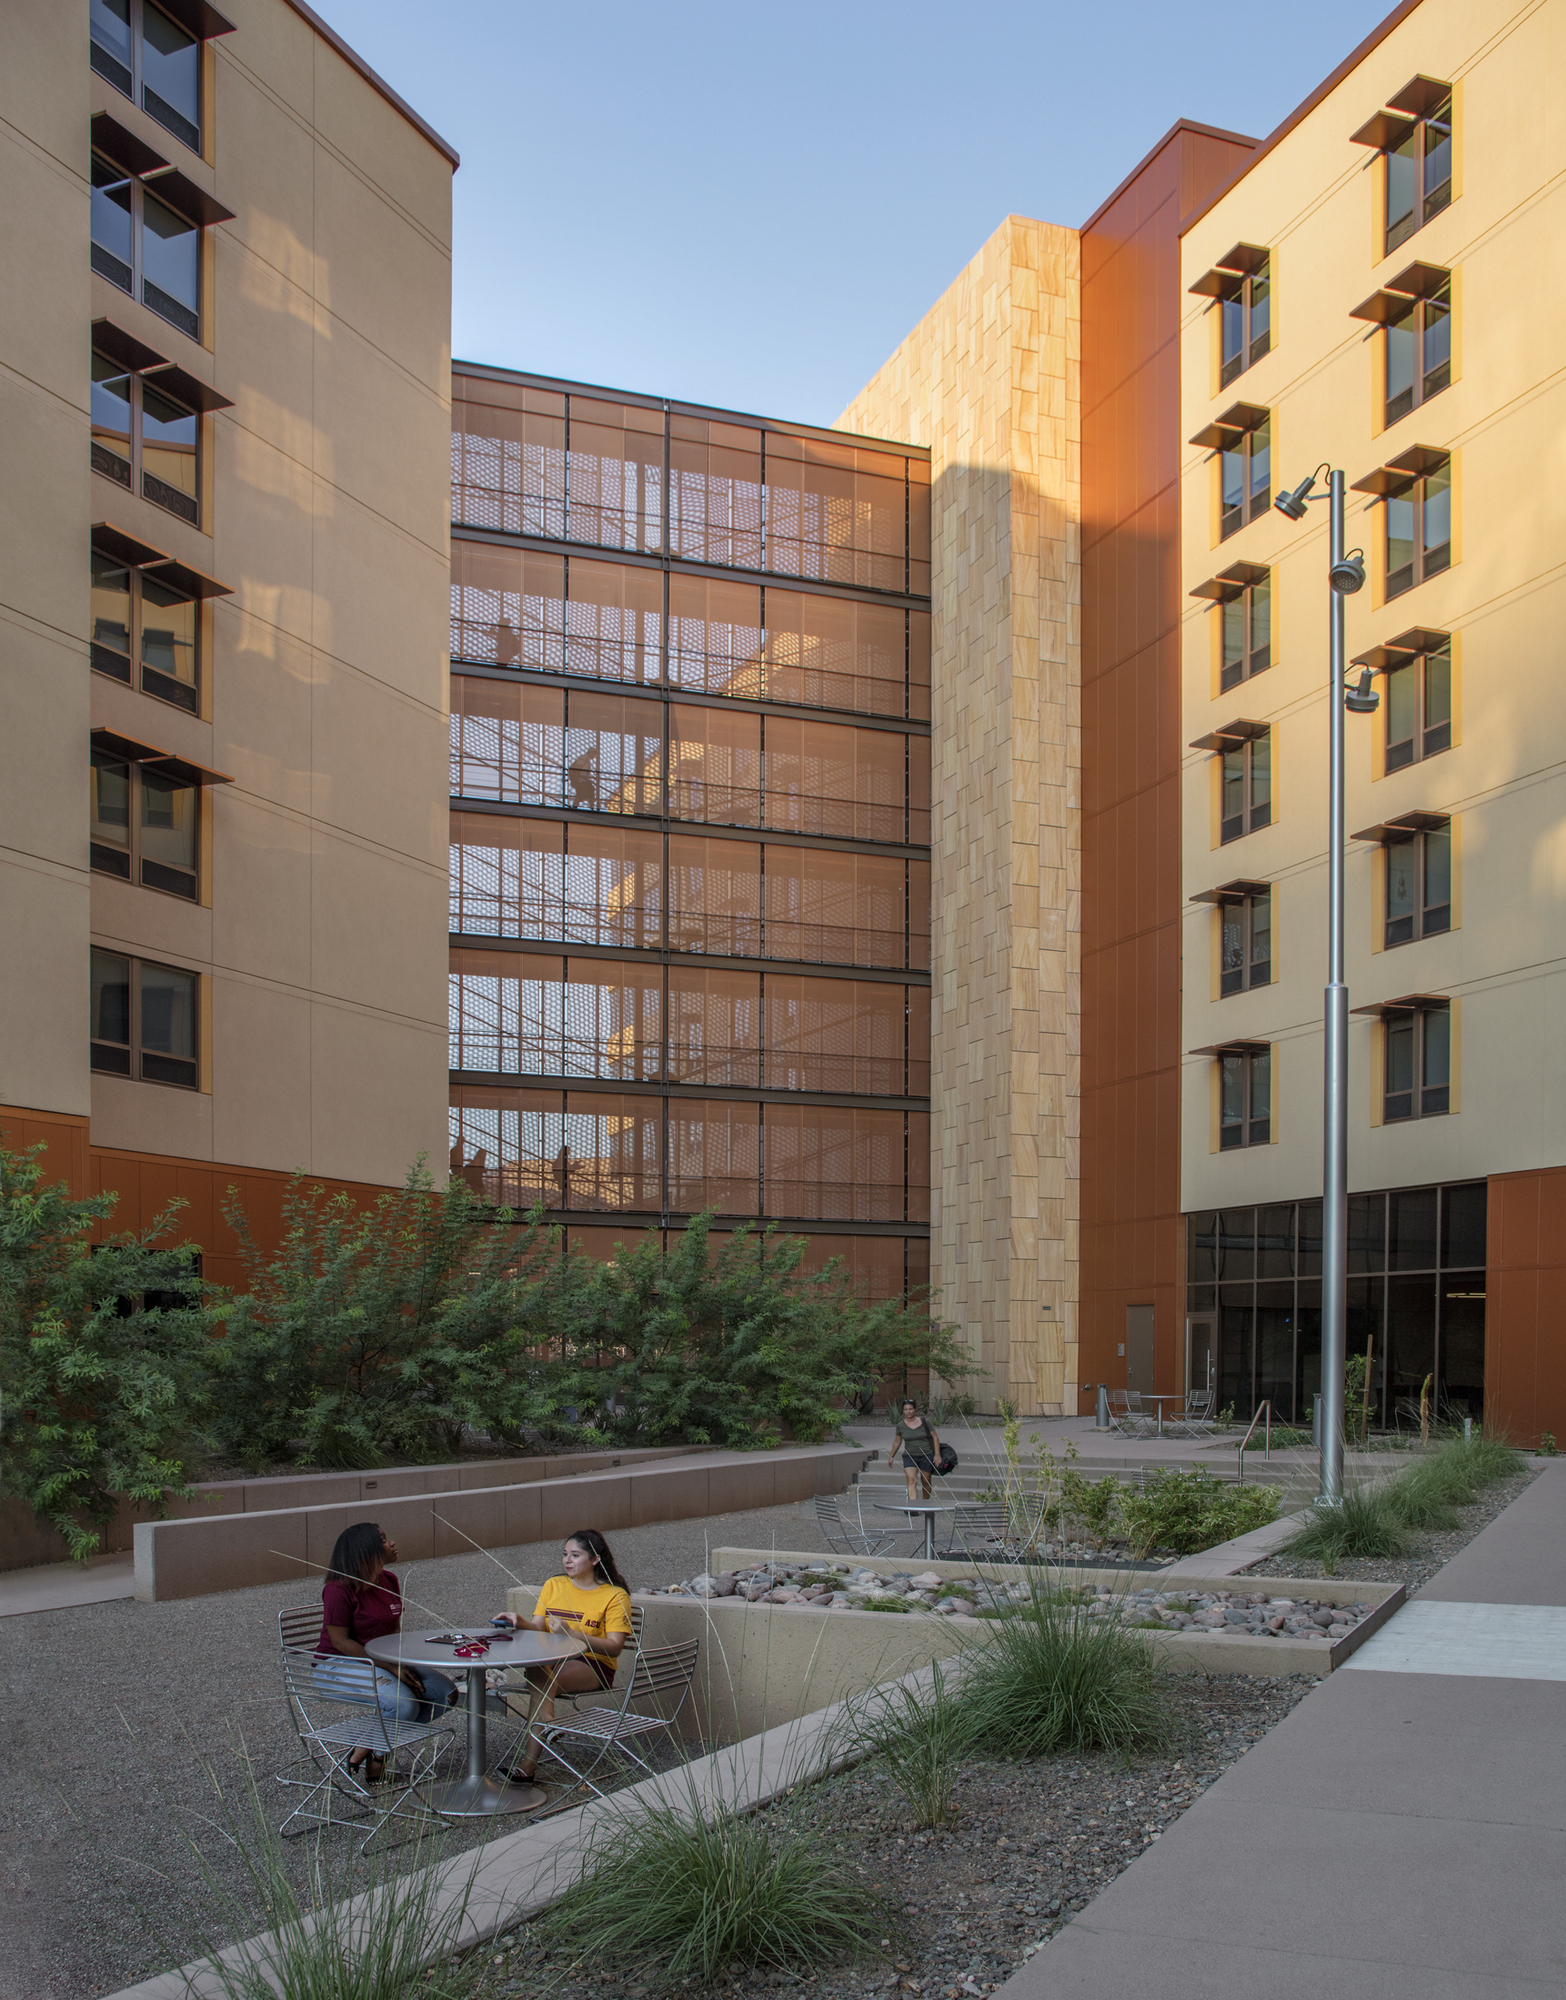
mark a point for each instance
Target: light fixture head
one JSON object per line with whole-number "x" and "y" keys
{"x": 1362, "y": 700}
{"x": 1348, "y": 575}
{"x": 1294, "y": 502}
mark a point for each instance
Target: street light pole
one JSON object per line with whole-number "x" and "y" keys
{"x": 1334, "y": 1188}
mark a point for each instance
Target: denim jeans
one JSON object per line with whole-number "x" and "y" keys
{"x": 341, "y": 1678}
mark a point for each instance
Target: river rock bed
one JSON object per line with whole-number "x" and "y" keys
{"x": 861, "y": 1587}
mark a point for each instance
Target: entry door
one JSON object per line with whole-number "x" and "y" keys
{"x": 1201, "y": 1347}
{"x": 1139, "y": 1348}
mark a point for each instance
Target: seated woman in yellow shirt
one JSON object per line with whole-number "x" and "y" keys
{"x": 592, "y": 1601}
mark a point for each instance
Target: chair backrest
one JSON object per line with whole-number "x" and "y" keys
{"x": 299, "y": 1625}
{"x": 638, "y": 1619}
{"x": 995, "y": 1515}
{"x": 1199, "y": 1403}
{"x": 665, "y": 1669}
{"x": 1134, "y": 1399}
{"x": 830, "y": 1521}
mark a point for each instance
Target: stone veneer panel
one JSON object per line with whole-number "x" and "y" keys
{"x": 988, "y": 380}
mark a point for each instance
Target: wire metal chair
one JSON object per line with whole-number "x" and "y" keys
{"x": 332, "y": 1720}
{"x": 660, "y": 1672}
{"x": 844, "y": 1537}
{"x": 980, "y": 1531}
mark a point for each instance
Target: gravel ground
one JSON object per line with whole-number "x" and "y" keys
{"x": 1033, "y": 1843}
{"x": 124, "y": 1712}
{"x": 1426, "y": 1554}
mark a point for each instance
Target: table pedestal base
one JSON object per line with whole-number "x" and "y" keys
{"x": 474, "y": 1798}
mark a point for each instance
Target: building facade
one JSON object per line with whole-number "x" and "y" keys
{"x": 223, "y": 569}
{"x": 690, "y": 821}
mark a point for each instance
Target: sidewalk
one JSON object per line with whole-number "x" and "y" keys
{"x": 1401, "y": 1835}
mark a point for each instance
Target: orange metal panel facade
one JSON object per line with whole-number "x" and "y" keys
{"x": 1525, "y": 1362}
{"x": 1131, "y": 306}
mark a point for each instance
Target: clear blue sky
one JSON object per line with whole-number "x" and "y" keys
{"x": 750, "y": 206}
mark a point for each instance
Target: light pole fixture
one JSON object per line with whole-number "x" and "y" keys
{"x": 1345, "y": 575}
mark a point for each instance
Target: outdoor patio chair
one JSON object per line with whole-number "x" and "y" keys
{"x": 852, "y": 1537}
{"x": 1195, "y": 1419}
{"x": 661, "y": 1673}
{"x": 979, "y": 1532}
{"x": 332, "y": 1722}
{"x": 511, "y": 1701}
{"x": 1027, "y": 1526}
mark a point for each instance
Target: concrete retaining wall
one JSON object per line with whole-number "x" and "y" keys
{"x": 202, "y": 1554}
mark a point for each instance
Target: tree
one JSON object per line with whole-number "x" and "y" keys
{"x": 385, "y": 1332}
{"x": 103, "y": 1352}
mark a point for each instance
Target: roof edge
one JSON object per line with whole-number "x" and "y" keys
{"x": 1180, "y": 125}
{"x": 352, "y": 57}
{"x": 1328, "y": 84}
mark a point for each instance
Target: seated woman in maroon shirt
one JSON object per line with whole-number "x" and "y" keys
{"x": 362, "y": 1600}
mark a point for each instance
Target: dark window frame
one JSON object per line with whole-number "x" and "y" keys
{"x": 1427, "y": 559}
{"x": 1426, "y": 738}
{"x": 1247, "y": 658}
{"x": 1239, "y": 913}
{"x": 1427, "y": 323}
{"x": 1424, "y": 918}
{"x": 1251, "y": 1128}
{"x": 1428, "y": 1051}
{"x": 131, "y": 1058}
{"x": 132, "y": 81}
{"x": 1254, "y": 500}
{"x": 130, "y": 863}
{"x": 1245, "y": 298}
{"x": 1426, "y": 147}
{"x": 122, "y": 667}
{"x": 173, "y": 311}
{"x": 136, "y": 478}
{"x": 1255, "y": 811}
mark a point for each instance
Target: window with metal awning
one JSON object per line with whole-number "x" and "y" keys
{"x": 1414, "y": 134}
{"x": 1242, "y": 439}
{"x": 1418, "y": 709}
{"x": 1244, "y": 1092}
{"x": 1242, "y": 594}
{"x": 1245, "y": 778}
{"x": 1245, "y": 933}
{"x": 146, "y": 812}
{"x": 145, "y": 613}
{"x": 1415, "y": 489}
{"x": 1241, "y": 283}
{"x": 1417, "y": 1055}
{"x": 1415, "y": 309}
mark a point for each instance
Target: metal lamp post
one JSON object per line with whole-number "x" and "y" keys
{"x": 1345, "y": 574}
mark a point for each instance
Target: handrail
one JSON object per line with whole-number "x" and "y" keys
{"x": 1262, "y": 1408}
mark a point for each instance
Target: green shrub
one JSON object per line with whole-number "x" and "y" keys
{"x": 1055, "y": 1677}
{"x": 1094, "y": 1503}
{"x": 103, "y": 1357}
{"x": 922, "y": 1738}
{"x": 1190, "y": 1511}
{"x": 680, "y": 1897}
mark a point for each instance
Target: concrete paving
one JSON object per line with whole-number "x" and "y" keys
{"x": 1402, "y": 1832}
{"x": 59, "y": 1586}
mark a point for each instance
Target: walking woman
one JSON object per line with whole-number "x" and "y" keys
{"x": 915, "y": 1437}
{"x": 592, "y": 1600}
{"x": 362, "y": 1600}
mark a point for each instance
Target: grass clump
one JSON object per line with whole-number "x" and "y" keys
{"x": 894, "y": 1604}
{"x": 1365, "y": 1522}
{"x": 1058, "y": 1677}
{"x": 686, "y": 1898}
{"x": 922, "y": 1736}
{"x": 1378, "y": 1521}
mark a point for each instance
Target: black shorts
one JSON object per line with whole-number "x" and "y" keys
{"x": 603, "y": 1668}
{"x": 919, "y": 1461}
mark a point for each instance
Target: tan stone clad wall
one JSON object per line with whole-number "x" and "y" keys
{"x": 988, "y": 380}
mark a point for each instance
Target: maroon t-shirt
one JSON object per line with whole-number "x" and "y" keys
{"x": 369, "y": 1612}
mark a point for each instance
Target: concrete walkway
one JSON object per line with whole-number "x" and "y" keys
{"x": 59, "y": 1586}
{"x": 1401, "y": 1833}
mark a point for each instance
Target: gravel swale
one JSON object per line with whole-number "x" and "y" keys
{"x": 1032, "y": 1844}
{"x": 1426, "y": 1552}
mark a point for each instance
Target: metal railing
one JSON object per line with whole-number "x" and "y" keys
{"x": 1263, "y": 1411}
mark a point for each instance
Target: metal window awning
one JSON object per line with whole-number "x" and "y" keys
{"x": 1240, "y": 262}
{"x": 185, "y": 388}
{"x": 1230, "y": 582}
{"x": 192, "y": 582}
{"x": 1407, "y": 1003}
{"x": 1397, "y": 652}
{"x": 1251, "y": 1048}
{"x": 1232, "y": 425}
{"x": 1401, "y": 472}
{"x": 1241, "y": 730}
{"x": 132, "y": 354}
{"x": 125, "y": 547}
{"x": 125, "y": 148}
{"x": 1420, "y": 96}
{"x": 127, "y": 750}
{"x": 1403, "y": 827}
{"x": 183, "y": 194}
{"x": 1383, "y": 131}
{"x": 1237, "y": 891}
{"x": 197, "y": 18}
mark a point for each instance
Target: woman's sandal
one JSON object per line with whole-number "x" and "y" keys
{"x": 522, "y": 1774}
{"x": 368, "y": 1769}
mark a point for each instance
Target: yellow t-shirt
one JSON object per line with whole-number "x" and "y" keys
{"x": 604, "y": 1608}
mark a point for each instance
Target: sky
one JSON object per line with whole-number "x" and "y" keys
{"x": 750, "y": 206}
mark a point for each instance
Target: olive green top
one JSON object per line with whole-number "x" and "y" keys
{"x": 916, "y": 1437}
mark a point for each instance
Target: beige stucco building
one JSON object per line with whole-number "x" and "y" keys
{"x": 226, "y": 384}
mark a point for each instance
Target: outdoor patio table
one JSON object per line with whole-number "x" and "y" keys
{"x": 1160, "y": 1401}
{"x": 476, "y": 1792}
{"x": 914, "y": 1508}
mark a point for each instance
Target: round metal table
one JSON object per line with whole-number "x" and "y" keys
{"x": 476, "y": 1792}
{"x": 927, "y": 1508}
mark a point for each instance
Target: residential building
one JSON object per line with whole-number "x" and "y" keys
{"x": 223, "y": 572}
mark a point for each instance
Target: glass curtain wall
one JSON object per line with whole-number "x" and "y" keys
{"x": 690, "y": 821}
{"x": 1416, "y": 1296}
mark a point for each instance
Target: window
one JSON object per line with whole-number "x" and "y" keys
{"x": 134, "y": 231}
{"x": 1245, "y": 330}
{"x": 1419, "y": 171}
{"x": 1419, "y": 351}
{"x": 1246, "y": 942}
{"x": 1418, "y": 1066}
{"x": 135, "y": 615}
{"x": 132, "y": 40}
{"x": 1244, "y": 1096}
{"x": 144, "y": 825}
{"x": 1246, "y": 632}
{"x": 1245, "y": 479}
{"x": 143, "y": 1020}
{"x": 1419, "y": 702}
{"x": 1246, "y": 782}
{"x": 1419, "y": 529}
{"x": 1419, "y": 885}
{"x": 140, "y": 425}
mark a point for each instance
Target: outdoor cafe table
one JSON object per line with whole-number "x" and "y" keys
{"x": 1160, "y": 1401}
{"x": 476, "y": 1792}
{"x": 914, "y": 1509}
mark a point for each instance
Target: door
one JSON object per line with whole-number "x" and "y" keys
{"x": 1201, "y": 1340}
{"x": 1139, "y": 1348}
